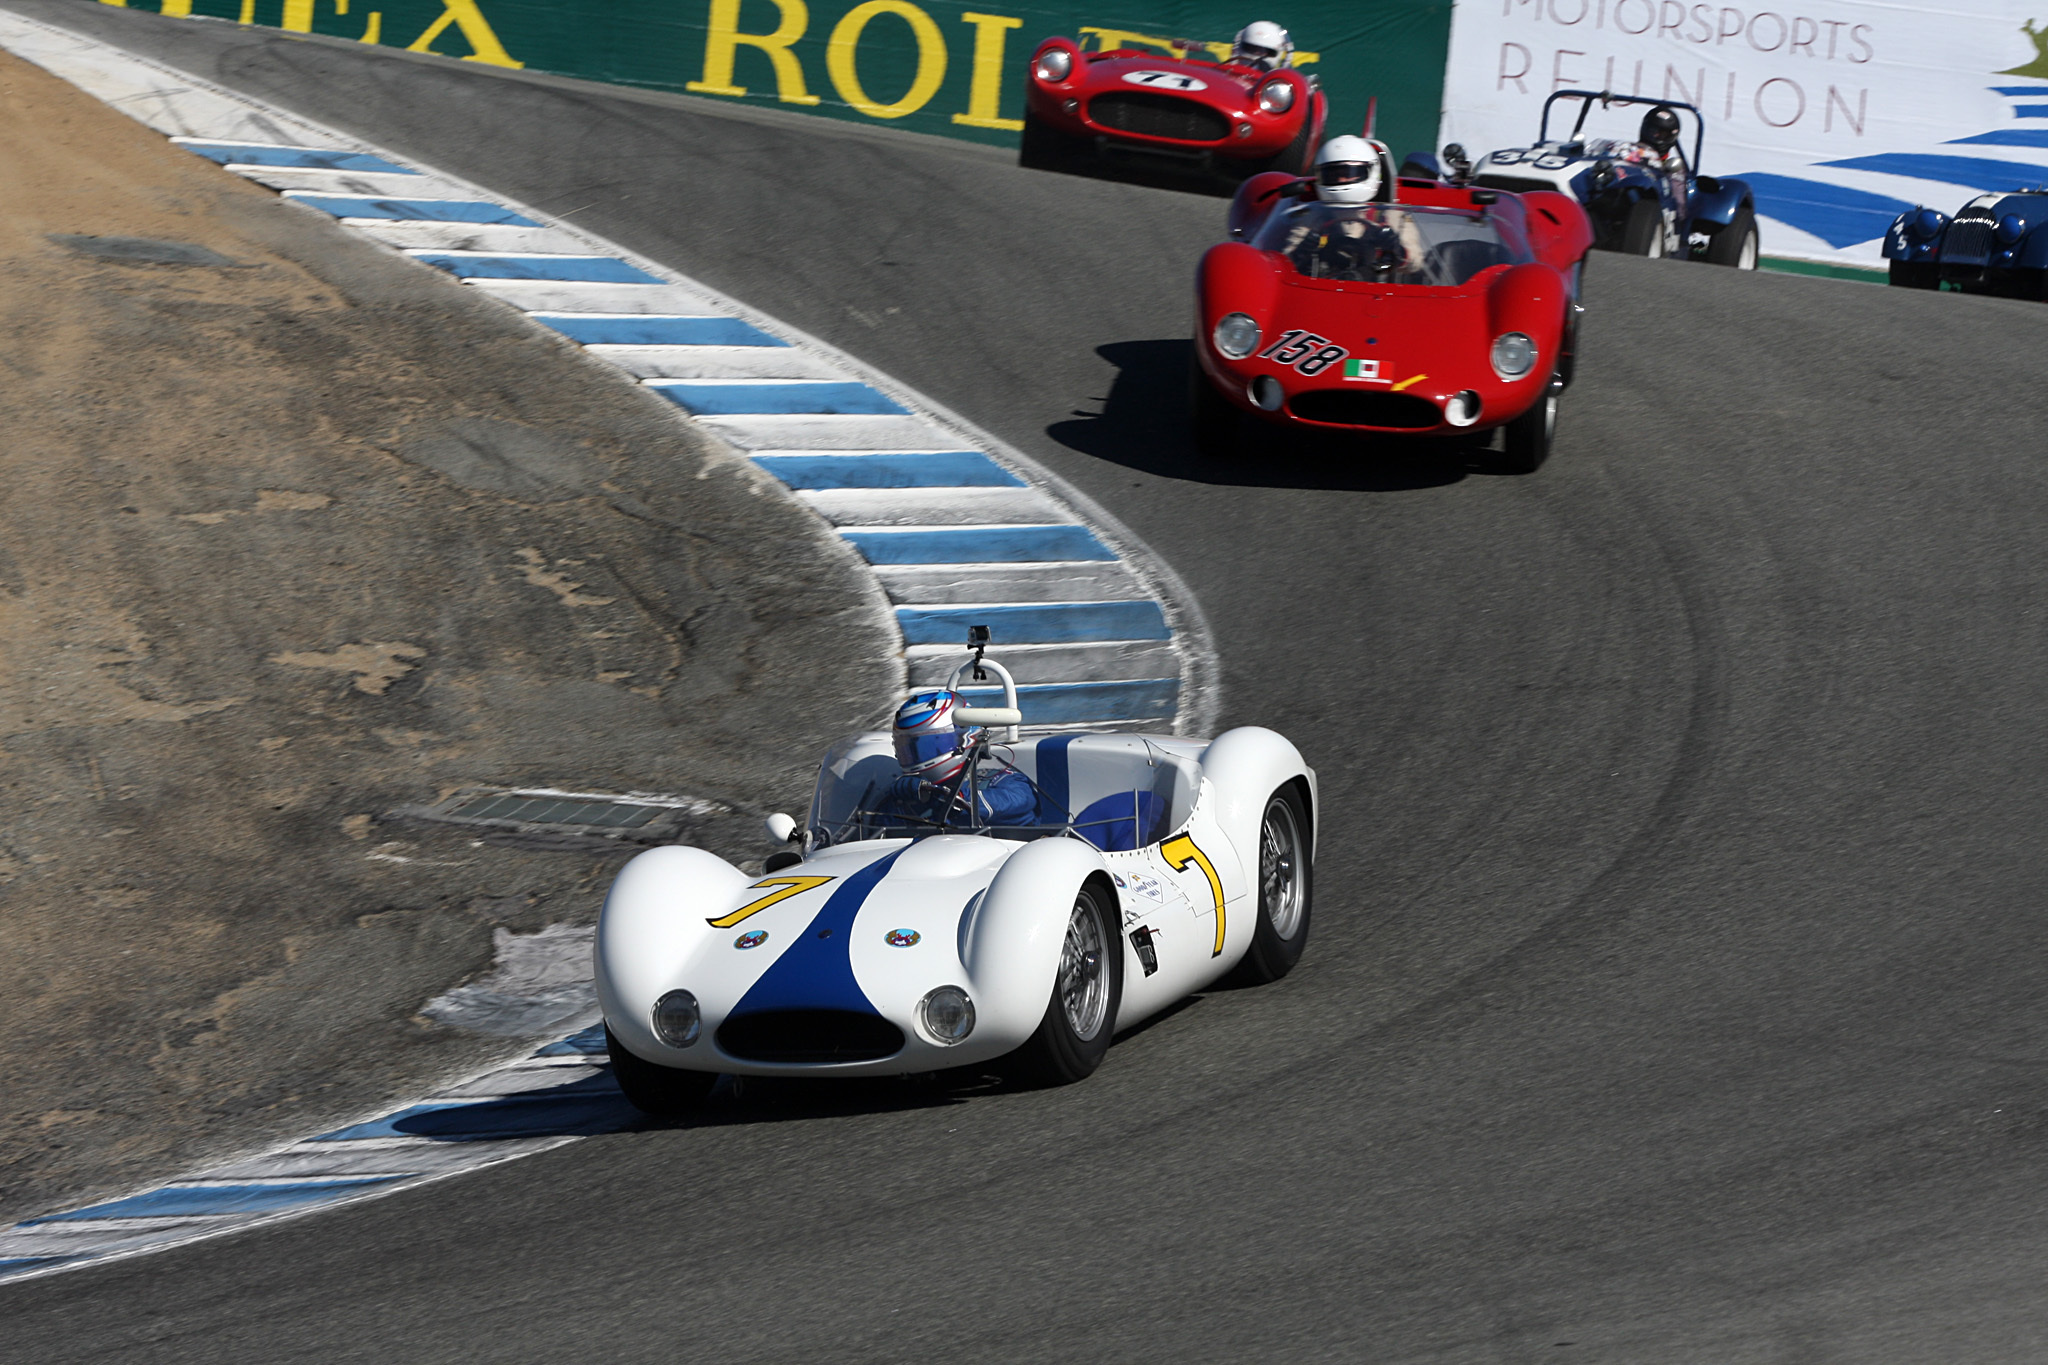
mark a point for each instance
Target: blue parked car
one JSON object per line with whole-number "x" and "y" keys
{"x": 1996, "y": 244}
{"x": 1645, "y": 197}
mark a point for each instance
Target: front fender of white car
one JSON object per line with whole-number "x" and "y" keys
{"x": 1245, "y": 767}
{"x": 655, "y": 917}
{"x": 1012, "y": 944}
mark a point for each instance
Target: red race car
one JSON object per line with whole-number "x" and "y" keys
{"x": 1408, "y": 306}
{"x": 1181, "y": 120}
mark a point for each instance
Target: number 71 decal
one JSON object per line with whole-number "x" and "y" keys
{"x": 1180, "y": 851}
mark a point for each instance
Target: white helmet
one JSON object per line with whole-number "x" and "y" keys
{"x": 1348, "y": 171}
{"x": 1264, "y": 45}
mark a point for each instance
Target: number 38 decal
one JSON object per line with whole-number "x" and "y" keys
{"x": 1305, "y": 351}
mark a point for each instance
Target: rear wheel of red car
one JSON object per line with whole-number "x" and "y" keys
{"x": 1916, "y": 275}
{"x": 1643, "y": 232}
{"x": 1735, "y": 244}
{"x": 1087, "y": 988}
{"x": 1526, "y": 440}
{"x": 662, "y": 1091}
{"x": 1213, "y": 423}
{"x": 1046, "y": 149}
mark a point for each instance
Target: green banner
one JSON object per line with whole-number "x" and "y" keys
{"x": 910, "y": 63}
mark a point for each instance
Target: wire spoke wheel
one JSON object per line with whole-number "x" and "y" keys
{"x": 1280, "y": 880}
{"x": 1084, "y": 985}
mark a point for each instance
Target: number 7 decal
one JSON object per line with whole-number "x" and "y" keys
{"x": 1179, "y": 851}
{"x": 791, "y": 886}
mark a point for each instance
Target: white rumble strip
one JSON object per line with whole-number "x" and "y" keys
{"x": 957, "y": 527}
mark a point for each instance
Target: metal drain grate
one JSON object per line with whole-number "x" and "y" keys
{"x": 551, "y": 817}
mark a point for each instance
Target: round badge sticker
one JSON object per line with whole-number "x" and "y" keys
{"x": 1164, "y": 80}
{"x": 902, "y": 938}
{"x": 752, "y": 939}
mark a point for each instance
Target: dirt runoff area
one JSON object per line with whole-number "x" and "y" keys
{"x": 295, "y": 537}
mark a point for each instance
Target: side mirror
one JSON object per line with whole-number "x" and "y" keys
{"x": 781, "y": 829}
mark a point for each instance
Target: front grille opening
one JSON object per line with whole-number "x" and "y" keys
{"x": 809, "y": 1036}
{"x": 1159, "y": 116}
{"x": 1359, "y": 408}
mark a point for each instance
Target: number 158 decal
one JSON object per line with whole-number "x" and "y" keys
{"x": 1305, "y": 351}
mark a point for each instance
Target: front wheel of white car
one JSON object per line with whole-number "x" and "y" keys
{"x": 1086, "y": 990}
{"x": 1286, "y": 891}
{"x": 662, "y": 1091}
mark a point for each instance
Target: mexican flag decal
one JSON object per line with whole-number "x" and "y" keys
{"x": 1361, "y": 369}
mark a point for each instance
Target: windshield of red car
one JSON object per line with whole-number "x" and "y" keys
{"x": 1391, "y": 243}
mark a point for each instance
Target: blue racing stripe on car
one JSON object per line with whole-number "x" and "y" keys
{"x": 1053, "y": 782}
{"x": 816, "y": 970}
{"x": 978, "y": 545}
{"x": 185, "y": 1201}
{"x": 656, "y": 329}
{"x": 1975, "y": 171}
{"x": 1037, "y": 623}
{"x": 1088, "y": 703}
{"x": 304, "y": 158}
{"x": 415, "y": 210}
{"x": 567, "y": 269}
{"x": 913, "y": 469}
{"x": 814, "y": 398}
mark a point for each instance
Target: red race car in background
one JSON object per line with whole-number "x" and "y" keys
{"x": 1182, "y": 120}
{"x": 1428, "y": 309}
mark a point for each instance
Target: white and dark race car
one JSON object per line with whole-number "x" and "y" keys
{"x": 1644, "y": 199}
{"x": 1117, "y": 874}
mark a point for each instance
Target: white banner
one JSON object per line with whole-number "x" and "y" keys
{"x": 1840, "y": 113}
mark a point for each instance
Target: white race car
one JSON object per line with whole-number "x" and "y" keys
{"x": 879, "y": 943}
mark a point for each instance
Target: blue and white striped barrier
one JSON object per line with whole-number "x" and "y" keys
{"x": 957, "y": 528}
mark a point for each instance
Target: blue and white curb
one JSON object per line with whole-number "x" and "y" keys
{"x": 957, "y": 527}
{"x": 560, "y": 1093}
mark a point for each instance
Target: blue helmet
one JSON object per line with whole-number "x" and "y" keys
{"x": 927, "y": 742}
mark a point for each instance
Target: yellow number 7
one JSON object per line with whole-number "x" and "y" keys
{"x": 791, "y": 886}
{"x": 1179, "y": 851}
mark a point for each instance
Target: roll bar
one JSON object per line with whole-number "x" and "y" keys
{"x": 1608, "y": 97}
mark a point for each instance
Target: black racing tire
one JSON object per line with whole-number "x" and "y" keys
{"x": 1915, "y": 275}
{"x": 1046, "y": 149}
{"x": 1087, "y": 988}
{"x": 1293, "y": 158}
{"x": 1526, "y": 441}
{"x": 1642, "y": 232}
{"x": 1286, "y": 891}
{"x": 1735, "y": 244}
{"x": 662, "y": 1091}
{"x": 1212, "y": 423}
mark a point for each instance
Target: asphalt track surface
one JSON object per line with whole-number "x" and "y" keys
{"x": 1677, "y": 988}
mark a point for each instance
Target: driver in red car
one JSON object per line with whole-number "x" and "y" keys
{"x": 1262, "y": 46}
{"x": 1361, "y": 245}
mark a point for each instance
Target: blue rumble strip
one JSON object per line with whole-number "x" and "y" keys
{"x": 655, "y": 329}
{"x": 1144, "y": 699}
{"x": 414, "y": 210}
{"x": 1036, "y": 623}
{"x": 979, "y": 545}
{"x": 550, "y": 1114}
{"x": 301, "y": 158}
{"x": 189, "y": 1201}
{"x": 913, "y": 469}
{"x": 568, "y": 269}
{"x": 799, "y": 397}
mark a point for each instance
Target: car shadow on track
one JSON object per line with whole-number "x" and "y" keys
{"x": 1143, "y": 425}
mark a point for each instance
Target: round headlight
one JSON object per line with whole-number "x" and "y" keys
{"x": 1055, "y": 64}
{"x": 2011, "y": 228}
{"x": 677, "y": 1018}
{"x": 1276, "y": 97}
{"x": 948, "y": 1015}
{"x": 1463, "y": 408}
{"x": 1514, "y": 355}
{"x": 1925, "y": 223}
{"x": 1236, "y": 336}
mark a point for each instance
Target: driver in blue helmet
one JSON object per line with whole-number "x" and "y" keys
{"x": 934, "y": 754}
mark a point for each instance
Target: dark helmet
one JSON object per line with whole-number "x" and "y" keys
{"x": 1660, "y": 129}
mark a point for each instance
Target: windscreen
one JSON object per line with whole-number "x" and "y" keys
{"x": 1390, "y": 243}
